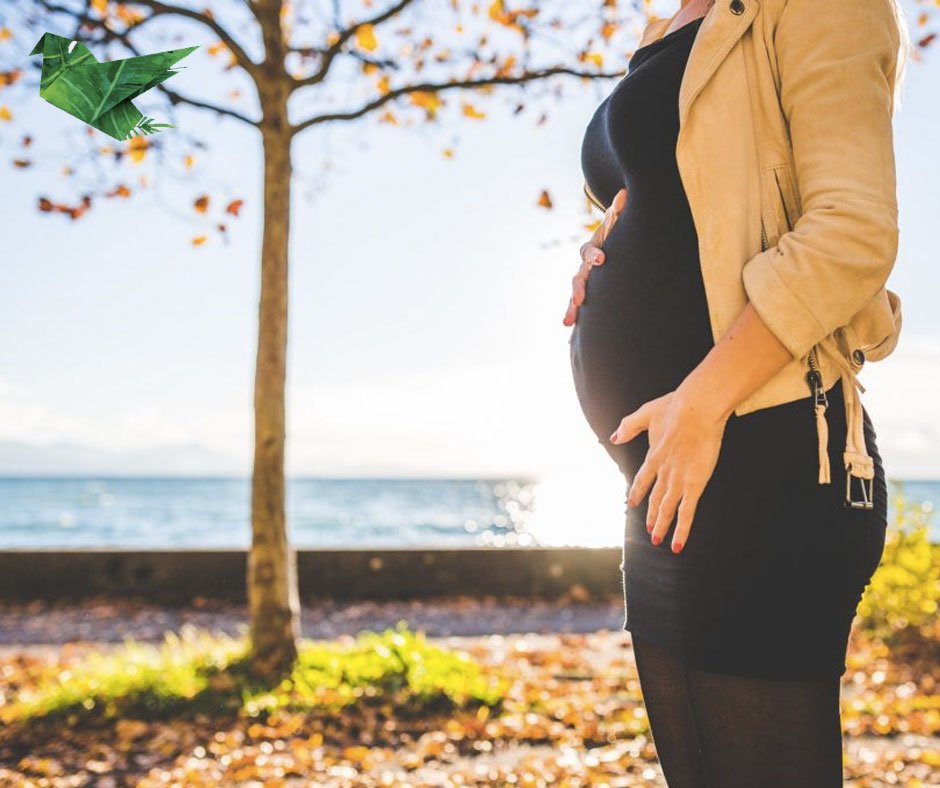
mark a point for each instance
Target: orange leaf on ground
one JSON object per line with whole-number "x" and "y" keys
{"x": 201, "y": 203}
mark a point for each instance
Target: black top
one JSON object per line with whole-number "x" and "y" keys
{"x": 644, "y": 323}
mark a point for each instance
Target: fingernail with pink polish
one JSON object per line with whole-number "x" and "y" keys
{"x": 677, "y": 547}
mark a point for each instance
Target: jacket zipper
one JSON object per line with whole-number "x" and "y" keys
{"x": 814, "y": 378}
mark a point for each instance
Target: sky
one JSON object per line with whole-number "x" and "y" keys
{"x": 427, "y": 294}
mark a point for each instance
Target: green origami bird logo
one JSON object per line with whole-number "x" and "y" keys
{"x": 100, "y": 93}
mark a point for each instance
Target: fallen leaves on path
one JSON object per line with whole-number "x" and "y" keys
{"x": 573, "y": 716}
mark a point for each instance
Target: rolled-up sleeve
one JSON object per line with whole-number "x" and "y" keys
{"x": 837, "y": 61}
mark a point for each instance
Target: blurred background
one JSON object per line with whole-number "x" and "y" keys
{"x": 429, "y": 395}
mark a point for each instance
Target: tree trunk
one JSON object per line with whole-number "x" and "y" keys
{"x": 272, "y": 568}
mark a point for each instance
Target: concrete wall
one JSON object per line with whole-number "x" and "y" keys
{"x": 177, "y": 576}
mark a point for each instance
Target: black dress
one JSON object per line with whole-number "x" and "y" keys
{"x": 774, "y": 566}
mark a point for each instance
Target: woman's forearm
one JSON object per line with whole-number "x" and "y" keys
{"x": 746, "y": 357}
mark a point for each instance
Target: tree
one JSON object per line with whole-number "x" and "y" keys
{"x": 285, "y": 69}
{"x": 570, "y": 35}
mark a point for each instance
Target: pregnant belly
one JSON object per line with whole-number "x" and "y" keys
{"x": 643, "y": 325}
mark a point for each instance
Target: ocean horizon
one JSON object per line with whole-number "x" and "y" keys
{"x": 139, "y": 512}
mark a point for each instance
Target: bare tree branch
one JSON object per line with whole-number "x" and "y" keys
{"x": 440, "y": 88}
{"x": 241, "y": 57}
{"x": 178, "y": 98}
{"x": 336, "y": 47}
{"x": 83, "y": 19}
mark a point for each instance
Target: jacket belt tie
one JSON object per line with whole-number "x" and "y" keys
{"x": 858, "y": 463}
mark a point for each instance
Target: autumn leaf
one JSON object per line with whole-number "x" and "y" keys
{"x": 365, "y": 37}
{"x": 427, "y": 99}
{"x": 472, "y": 112}
{"x": 201, "y": 203}
{"x": 506, "y": 68}
{"x": 5, "y": 113}
{"x": 234, "y": 207}
{"x": 101, "y": 6}
{"x": 188, "y": 161}
{"x": 5, "y": 34}
{"x": 497, "y": 12}
{"x": 129, "y": 16}
{"x": 448, "y": 153}
{"x": 136, "y": 148}
{"x": 119, "y": 191}
{"x": 593, "y": 57}
{"x": 544, "y": 200}
{"x": 199, "y": 240}
{"x": 21, "y": 163}
{"x": 382, "y": 84}
{"x": 73, "y": 211}
{"x": 9, "y": 77}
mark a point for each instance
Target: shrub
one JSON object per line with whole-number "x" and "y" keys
{"x": 904, "y": 592}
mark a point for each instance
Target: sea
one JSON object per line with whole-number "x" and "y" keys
{"x": 187, "y": 512}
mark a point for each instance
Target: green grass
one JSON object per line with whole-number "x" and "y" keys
{"x": 196, "y": 671}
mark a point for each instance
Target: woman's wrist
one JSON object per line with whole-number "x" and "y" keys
{"x": 703, "y": 397}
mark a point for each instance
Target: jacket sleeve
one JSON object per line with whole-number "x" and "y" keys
{"x": 837, "y": 61}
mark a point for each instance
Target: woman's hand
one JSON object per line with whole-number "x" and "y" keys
{"x": 685, "y": 436}
{"x": 591, "y": 255}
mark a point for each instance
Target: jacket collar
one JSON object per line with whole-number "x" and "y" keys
{"x": 721, "y": 28}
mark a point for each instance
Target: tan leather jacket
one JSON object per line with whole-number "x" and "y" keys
{"x": 786, "y": 154}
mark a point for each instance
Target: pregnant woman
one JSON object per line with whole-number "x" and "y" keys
{"x": 742, "y": 565}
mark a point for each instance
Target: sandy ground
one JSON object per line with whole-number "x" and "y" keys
{"x": 35, "y": 626}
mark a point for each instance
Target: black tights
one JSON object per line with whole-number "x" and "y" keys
{"x": 716, "y": 731}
